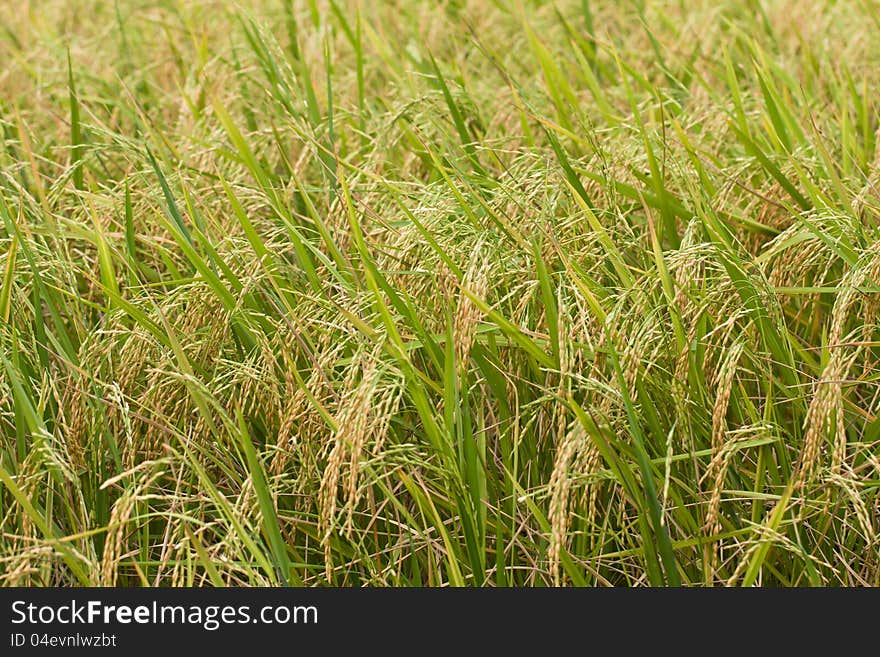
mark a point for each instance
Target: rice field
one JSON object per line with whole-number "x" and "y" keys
{"x": 449, "y": 293}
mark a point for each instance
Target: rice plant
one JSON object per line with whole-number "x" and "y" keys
{"x": 452, "y": 293}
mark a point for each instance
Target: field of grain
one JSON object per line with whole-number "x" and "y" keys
{"x": 457, "y": 293}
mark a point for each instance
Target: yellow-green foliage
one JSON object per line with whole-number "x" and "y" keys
{"x": 472, "y": 292}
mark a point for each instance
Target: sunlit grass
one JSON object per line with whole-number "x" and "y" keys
{"x": 462, "y": 293}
